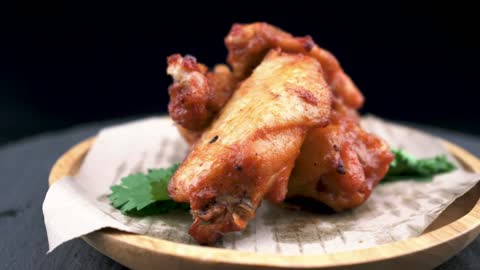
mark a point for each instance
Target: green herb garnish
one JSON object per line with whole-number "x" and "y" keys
{"x": 145, "y": 194}
{"x": 405, "y": 166}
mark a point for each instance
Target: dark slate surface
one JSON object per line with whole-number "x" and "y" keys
{"x": 24, "y": 169}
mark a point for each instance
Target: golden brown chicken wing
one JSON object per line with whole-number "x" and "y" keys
{"x": 340, "y": 164}
{"x": 196, "y": 95}
{"x": 248, "y": 43}
{"x": 279, "y": 111}
{"x": 249, "y": 150}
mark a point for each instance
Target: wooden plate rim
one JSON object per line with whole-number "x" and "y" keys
{"x": 460, "y": 227}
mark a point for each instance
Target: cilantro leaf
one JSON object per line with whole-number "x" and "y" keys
{"x": 144, "y": 194}
{"x": 405, "y": 166}
{"x": 159, "y": 179}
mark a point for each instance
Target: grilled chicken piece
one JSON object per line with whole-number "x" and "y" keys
{"x": 248, "y": 43}
{"x": 249, "y": 150}
{"x": 340, "y": 164}
{"x": 196, "y": 95}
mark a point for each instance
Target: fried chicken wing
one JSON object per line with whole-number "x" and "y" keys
{"x": 340, "y": 164}
{"x": 248, "y": 43}
{"x": 196, "y": 95}
{"x": 283, "y": 123}
{"x": 249, "y": 150}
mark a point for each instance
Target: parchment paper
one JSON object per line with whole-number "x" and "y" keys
{"x": 75, "y": 206}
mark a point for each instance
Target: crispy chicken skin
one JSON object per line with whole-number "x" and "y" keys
{"x": 196, "y": 95}
{"x": 248, "y": 43}
{"x": 248, "y": 152}
{"x": 340, "y": 164}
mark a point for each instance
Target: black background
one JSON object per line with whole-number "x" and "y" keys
{"x": 64, "y": 64}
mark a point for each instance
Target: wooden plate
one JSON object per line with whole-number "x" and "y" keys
{"x": 454, "y": 229}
